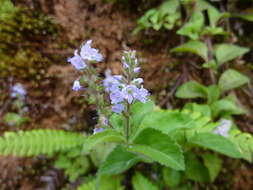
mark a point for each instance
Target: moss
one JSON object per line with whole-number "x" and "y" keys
{"x": 24, "y": 36}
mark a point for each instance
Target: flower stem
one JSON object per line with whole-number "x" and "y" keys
{"x": 127, "y": 121}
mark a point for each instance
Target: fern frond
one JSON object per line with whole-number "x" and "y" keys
{"x": 36, "y": 142}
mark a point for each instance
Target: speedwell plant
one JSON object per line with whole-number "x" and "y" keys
{"x": 131, "y": 129}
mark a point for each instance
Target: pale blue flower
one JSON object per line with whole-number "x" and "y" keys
{"x": 18, "y": 90}
{"x": 129, "y": 92}
{"x": 112, "y": 83}
{"x": 223, "y": 128}
{"x": 124, "y": 63}
{"x": 89, "y": 53}
{"x": 118, "y": 108}
{"x": 98, "y": 130}
{"x": 116, "y": 96}
{"x": 76, "y": 86}
{"x": 142, "y": 95}
{"x": 137, "y": 69}
{"x": 77, "y": 61}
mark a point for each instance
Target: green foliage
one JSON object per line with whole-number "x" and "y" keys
{"x": 102, "y": 137}
{"x": 192, "y": 89}
{"x": 13, "y": 119}
{"x": 195, "y": 169}
{"x": 73, "y": 164}
{"x": 158, "y": 147}
{"x": 7, "y": 10}
{"x": 213, "y": 163}
{"x": 231, "y": 79}
{"x": 172, "y": 178}
{"x": 193, "y": 28}
{"x": 36, "y": 142}
{"x": 217, "y": 143}
{"x": 106, "y": 183}
{"x": 218, "y": 106}
{"x": 118, "y": 161}
{"x": 196, "y": 47}
{"x": 142, "y": 183}
{"x": 228, "y": 52}
{"x": 166, "y": 16}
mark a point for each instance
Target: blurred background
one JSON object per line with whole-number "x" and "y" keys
{"x": 37, "y": 37}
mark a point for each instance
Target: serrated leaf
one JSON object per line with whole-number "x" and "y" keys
{"x": 118, "y": 161}
{"x": 213, "y": 163}
{"x": 192, "y": 89}
{"x": 107, "y": 135}
{"x": 158, "y": 147}
{"x": 228, "y": 52}
{"x": 231, "y": 79}
{"x": 142, "y": 183}
{"x": 216, "y": 143}
{"x": 138, "y": 112}
{"x": 196, "y": 47}
{"x": 166, "y": 121}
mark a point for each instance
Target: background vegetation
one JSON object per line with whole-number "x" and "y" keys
{"x": 196, "y": 55}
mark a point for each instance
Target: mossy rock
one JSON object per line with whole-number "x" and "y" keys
{"x": 24, "y": 37}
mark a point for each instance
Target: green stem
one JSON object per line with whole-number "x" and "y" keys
{"x": 127, "y": 121}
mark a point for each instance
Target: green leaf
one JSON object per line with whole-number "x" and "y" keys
{"x": 214, "y": 16}
{"x": 117, "y": 121}
{"x": 213, "y": 93}
{"x": 107, "y": 135}
{"x": 231, "y": 79}
{"x": 192, "y": 89}
{"x": 193, "y": 27}
{"x": 158, "y": 147}
{"x": 228, "y": 52}
{"x": 213, "y": 164}
{"x": 138, "y": 112}
{"x": 142, "y": 183}
{"x": 118, "y": 161}
{"x": 194, "y": 169}
{"x": 248, "y": 16}
{"x": 204, "y": 109}
{"x": 196, "y": 47}
{"x": 100, "y": 152}
{"x": 226, "y": 106}
{"x": 172, "y": 178}
{"x": 105, "y": 183}
{"x": 166, "y": 121}
{"x": 216, "y": 143}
